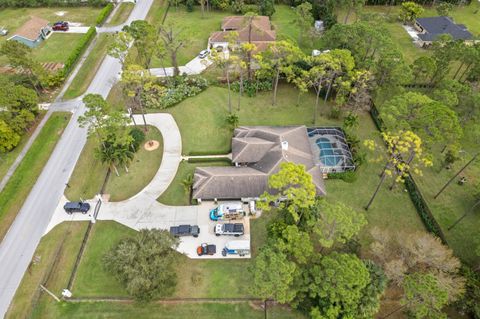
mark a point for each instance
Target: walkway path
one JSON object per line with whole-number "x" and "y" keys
{"x": 19, "y": 244}
{"x": 144, "y": 211}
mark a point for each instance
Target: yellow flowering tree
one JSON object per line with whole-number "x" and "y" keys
{"x": 404, "y": 155}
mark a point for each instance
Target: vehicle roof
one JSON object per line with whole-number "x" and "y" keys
{"x": 238, "y": 244}
{"x": 73, "y": 204}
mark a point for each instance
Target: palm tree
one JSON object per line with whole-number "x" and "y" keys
{"x": 124, "y": 155}
{"x": 107, "y": 156}
{"x": 187, "y": 184}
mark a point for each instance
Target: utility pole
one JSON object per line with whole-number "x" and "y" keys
{"x": 458, "y": 173}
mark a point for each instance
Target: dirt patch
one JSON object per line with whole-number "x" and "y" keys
{"x": 151, "y": 145}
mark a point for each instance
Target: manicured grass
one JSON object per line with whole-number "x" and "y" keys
{"x": 156, "y": 13}
{"x": 60, "y": 244}
{"x": 89, "y": 68}
{"x": 7, "y": 159}
{"x": 122, "y": 14}
{"x": 56, "y": 48}
{"x": 211, "y": 278}
{"x": 89, "y": 174}
{"x": 143, "y": 168}
{"x": 173, "y": 311}
{"x": 175, "y": 194}
{"x": 22, "y": 181}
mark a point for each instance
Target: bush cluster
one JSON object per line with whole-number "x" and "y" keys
{"x": 250, "y": 88}
{"x": 138, "y": 137}
{"x": 104, "y": 13}
{"x": 78, "y": 51}
{"x": 348, "y": 176}
{"x": 169, "y": 92}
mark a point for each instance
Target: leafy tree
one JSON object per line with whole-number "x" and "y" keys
{"x": 444, "y": 8}
{"x": 266, "y": 7}
{"x": 424, "y": 296}
{"x": 94, "y": 118}
{"x": 145, "y": 37}
{"x": 224, "y": 63}
{"x": 370, "y": 302}
{"x": 8, "y": 138}
{"x": 273, "y": 276}
{"x": 423, "y": 69}
{"x": 134, "y": 78}
{"x": 304, "y": 19}
{"x": 295, "y": 243}
{"x": 119, "y": 47}
{"x": 335, "y": 223}
{"x": 410, "y": 11}
{"x": 173, "y": 40}
{"x": 294, "y": 186}
{"x": 124, "y": 155}
{"x": 350, "y": 5}
{"x": 108, "y": 155}
{"x": 145, "y": 264}
{"x": 336, "y": 283}
{"x": 404, "y": 154}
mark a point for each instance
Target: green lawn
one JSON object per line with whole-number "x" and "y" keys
{"x": 7, "y": 159}
{"x": 173, "y": 311}
{"x": 122, "y": 14}
{"x": 22, "y": 181}
{"x": 57, "y": 48}
{"x": 86, "y": 73}
{"x": 59, "y": 250}
{"x": 89, "y": 173}
{"x": 175, "y": 194}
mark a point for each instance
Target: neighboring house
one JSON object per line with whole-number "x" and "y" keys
{"x": 261, "y": 33}
{"x": 257, "y": 152}
{"x": 32, "y": 32}
{"x": 431, "y": 28}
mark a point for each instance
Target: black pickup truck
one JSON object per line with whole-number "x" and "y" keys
{"x": 185, "y": 230}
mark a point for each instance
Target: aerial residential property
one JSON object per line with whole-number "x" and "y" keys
{"x": 231, "y": 159}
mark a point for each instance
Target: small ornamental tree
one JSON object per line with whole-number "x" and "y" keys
{"x": 404, "y": 155}
{"x": 424, "y": 296}
{"x": 294, "y": 188}
{"x": 119, "y": 47}
{"x": 304, "y": 19}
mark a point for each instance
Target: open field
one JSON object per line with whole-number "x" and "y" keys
{"x": 61, "y": 244}
{"x": 56, "y": 48}
{"x": 26, "y": 174}
{"x": 89, "y": 173}
{"x": 89, "y": 68}
{"x": 122, "y": 14}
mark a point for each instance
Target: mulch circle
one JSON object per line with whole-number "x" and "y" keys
{"x": 151, "y": 145}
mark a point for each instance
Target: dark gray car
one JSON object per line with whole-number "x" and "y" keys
{"x": 185, "y": 230}
{"x": 76, "y": 207}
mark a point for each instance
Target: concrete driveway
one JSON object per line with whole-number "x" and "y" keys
{"x": 143, "y": 210}
{"x": 194, "y": 67}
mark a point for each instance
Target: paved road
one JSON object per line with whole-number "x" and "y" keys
{"x": 18, "y": 246}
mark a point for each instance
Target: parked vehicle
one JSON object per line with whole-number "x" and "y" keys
{"x": 60, "y": 26}
{"x": 252, "y": 207}
{"x": 76, "y": 207}
{"x": 229, "y": 229}
{"x": 206, "y": 249}
{"x": 237, "y": 247}
{"x": 227, "y": 211}
{"x": 185, "y": 230}
{"x": 203, "y": 54}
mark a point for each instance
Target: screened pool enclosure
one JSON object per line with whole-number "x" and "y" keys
{"x": 330, "y": 150}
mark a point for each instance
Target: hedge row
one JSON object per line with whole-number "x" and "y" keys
{"x": 209, "y": 160}
{"x": 51, "y": 3}
{"x": 415, "y": 195}
{"x": 78, "y": 51}
{"x": 104, "y": 13}
{"x": 204, "y": 153}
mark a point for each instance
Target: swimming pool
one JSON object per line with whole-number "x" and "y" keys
{"x": 327, "y": 153}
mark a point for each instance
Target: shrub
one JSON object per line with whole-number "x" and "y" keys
{"x": 163, "y": 94}
{"x": 78, "y": 51}
{"x": 250, "y": 88}
{"x": 138, "y": 137}
{"x": 250, "y": 8}
{"x": 104, "y": 13}
{"x": 348, "y": 176}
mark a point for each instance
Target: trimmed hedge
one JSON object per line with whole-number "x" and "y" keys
{"x": 209, "y": 160}
{"x": 51, "y": 3}
{"x": 347, "y": 176}
{"x": 104, "y": 13}
{"x": 78, "y": 51}
{"x": 204, "y": 153}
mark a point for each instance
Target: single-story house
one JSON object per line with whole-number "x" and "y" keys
{"x": 431, "y": 28}
{"x": 32, "y": 32}
{"x": 257, "y": 152}
{"x": 261, "y": 34}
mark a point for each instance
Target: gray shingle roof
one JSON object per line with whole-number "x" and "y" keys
{"x": 260, "y": 150}
{"x": 435, "y": 26}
